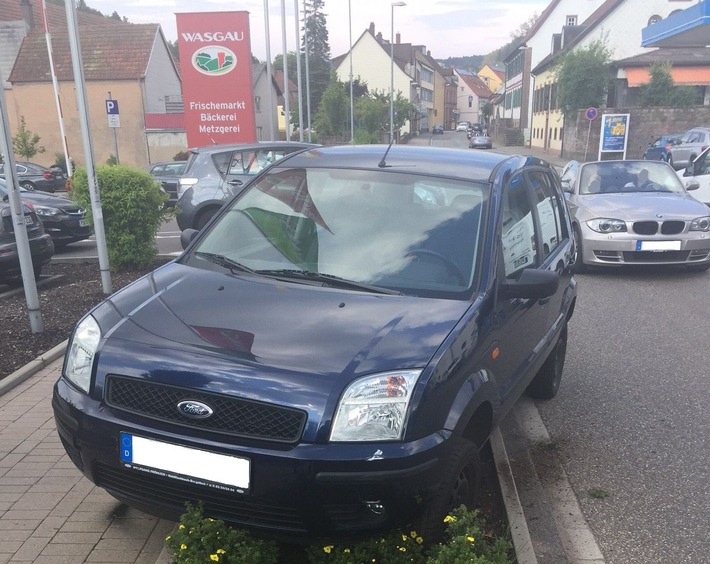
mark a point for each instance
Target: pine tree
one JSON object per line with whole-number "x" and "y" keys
{"x": 318, "y": 51}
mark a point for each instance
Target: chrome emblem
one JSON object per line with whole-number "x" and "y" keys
{"x": 659, "y": 215}
{"x": 195, "y": 409}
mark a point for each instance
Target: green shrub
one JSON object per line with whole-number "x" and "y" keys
{"x": 198, "y": 540}
{"x": 133, "y": 207}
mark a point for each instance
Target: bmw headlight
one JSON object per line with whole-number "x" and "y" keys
{"x": 82, "y": 349}
{"x": 373, "y": 408}
{"x": 700, "y": 224}
{"x": 47, "y": 211}
{"x": 606, "y": 225}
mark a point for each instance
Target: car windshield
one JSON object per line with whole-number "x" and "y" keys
{"x": 622, "y": 177}
{"x": 394, "y": 230}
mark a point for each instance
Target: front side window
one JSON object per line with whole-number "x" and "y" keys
{"x": 399, "y": 231}
{"x": 518, "y": 229}
{"x": 549, "y": 211}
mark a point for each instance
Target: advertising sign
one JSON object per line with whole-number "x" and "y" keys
{"x": 614, "y": 134}
{"x": 215, "y": 67}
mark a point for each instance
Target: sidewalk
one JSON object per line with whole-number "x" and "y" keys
{"x": 50, "y": 513}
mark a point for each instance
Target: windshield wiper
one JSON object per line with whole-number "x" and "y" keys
{"x": 226, "y": 262}
{"x": 328, "y": 280}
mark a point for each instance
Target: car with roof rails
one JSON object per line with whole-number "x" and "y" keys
{"x": 214, "y": 174}
{"x": 331, "y": 352}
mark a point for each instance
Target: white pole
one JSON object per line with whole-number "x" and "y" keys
{"x": 308, "y": 79}
{"x": 18, "y": 220}
{"x": 269, "y": 74}
{"x": 298, "y": 72}
{"x": 55, "y": 85}
{"x": 397, "y": 4}
{"x": 97, "y": 212}
{"x": 287, "y": 117}
{"x": 352, "y": 99}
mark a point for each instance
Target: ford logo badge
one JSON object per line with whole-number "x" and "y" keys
{"x": 195, "y": 409}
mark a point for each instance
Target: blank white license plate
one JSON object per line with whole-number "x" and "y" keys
{"x": 230, "y": 473}
{"x": 658, "y": 245}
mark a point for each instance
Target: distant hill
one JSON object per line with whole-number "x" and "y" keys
{"x": 474, "y": 63}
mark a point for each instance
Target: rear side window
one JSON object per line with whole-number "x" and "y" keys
{"x": 549, "y": 211}
{"x": 518, "y": 231}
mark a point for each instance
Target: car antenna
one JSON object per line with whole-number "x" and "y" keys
{"x": 383, "y": 163}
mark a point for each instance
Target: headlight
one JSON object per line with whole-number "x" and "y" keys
{"x": 605, "y": 225}
{"x": 700, "y": 224}
{"x": 373, "y": 408}
{"x": 82, "y": 350}
{"x": 46, "y": 211}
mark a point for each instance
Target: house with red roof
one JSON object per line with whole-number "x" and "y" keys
{"x": 129, "y": 63}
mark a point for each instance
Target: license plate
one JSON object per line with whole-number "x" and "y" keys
{"x": 658, "y": 245}
{"x": 83, "y": 223}
{"x": 196, "y": 466}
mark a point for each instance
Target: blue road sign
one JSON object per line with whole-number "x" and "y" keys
{"x": 112, "y": 107}
{"x": 591, "y": 114}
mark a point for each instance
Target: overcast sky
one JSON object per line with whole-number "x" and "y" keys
{"x": 448, "y": 28}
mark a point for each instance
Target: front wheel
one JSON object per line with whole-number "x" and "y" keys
{"x": 27, "y": 186}
{"x": 578, "y": 262}
{"x": 547, "y": 381}
{"x": 459, "y": 485}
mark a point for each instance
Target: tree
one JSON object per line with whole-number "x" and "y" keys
{"x": 333, "y": 115}
{"x": 583, "y": 78}
{"x": 661, "y": 91}
{"x": 26, "y": 143}
{"x": 525, "y": 27}
{"x": 318, "y": 51}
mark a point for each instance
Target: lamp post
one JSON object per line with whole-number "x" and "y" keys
{"x": 397, "y": 4}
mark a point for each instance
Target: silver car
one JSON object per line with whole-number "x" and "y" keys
{"x": 692, "y": 143}
{"x": 635, "y": 212}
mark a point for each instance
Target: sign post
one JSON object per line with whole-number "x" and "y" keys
{"x": 591, "y": 114}
{"x": 114, "y": 121}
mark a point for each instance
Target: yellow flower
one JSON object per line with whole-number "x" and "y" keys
{"x": 167, "y": 538}
{"x": 183, "y": 547}
{"x": 181, "y": 527}
{"x": 327, "y": 549}
{"x": 449, "y": 519}
{"x": 402, "y": 549}
{"x": 214, "y": 557}
{"x": 470, "y": 539}
{"x": 413, "y": 534}
{"x": 220, "y": 551}
{"x": 346, "y": 551}
{"x": 420, "y": 540}
{"x": 404, "y": 538}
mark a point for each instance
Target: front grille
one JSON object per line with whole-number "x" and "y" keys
{"x": 672, "y": 227}
{"x": 149, "y": 489}
{"x": 653, "y": 256}
{"x": 232, "y": 416}
{"x": 646, "y": 227}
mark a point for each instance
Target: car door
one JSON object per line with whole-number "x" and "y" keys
{"x": 699, "y": 170}
{"x": 522, "y": 322}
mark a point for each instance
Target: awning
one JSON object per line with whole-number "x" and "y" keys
{"x": 691, "y": 76}
{"x": 688, "y": 28}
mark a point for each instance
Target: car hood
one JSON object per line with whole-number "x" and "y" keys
{"x": 265, "y": 339}
{"x": 641, "y": 206}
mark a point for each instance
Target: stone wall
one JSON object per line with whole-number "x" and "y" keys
{"x": 645, "y": 126}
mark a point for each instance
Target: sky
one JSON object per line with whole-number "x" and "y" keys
{"x": 448, "y": 28}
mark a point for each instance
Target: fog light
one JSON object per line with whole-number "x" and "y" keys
{"x": 375, "y": 506}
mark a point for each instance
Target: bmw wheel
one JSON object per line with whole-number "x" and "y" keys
{"x": 579, "y": 265}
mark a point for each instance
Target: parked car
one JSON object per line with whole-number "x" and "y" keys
{"x": 63, "y": 219}
{"x": 167, "y": 174}
{"x": 692, "y": 143}
{"x": 462, "y": 126}
{"x": 41, "y": 246}
{"x": 480, "y": 141}
{"x": 438, "y": 129}
{"x": 214, "y": 174}
{"x": 32, "y": 176}
{"x": 330, "y": 353}
{"x": 698, "y": 172}
{"x": 474, "y": 129}
{"x": 635, "y": 212}
{"x": 662, "y": 148}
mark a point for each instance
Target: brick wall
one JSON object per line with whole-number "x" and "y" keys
{"x": 645, "y": 126}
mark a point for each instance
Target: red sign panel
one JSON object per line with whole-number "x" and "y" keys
{"x": 215, "y": 64}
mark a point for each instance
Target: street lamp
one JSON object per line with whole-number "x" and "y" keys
{"x": 398, "y": 4}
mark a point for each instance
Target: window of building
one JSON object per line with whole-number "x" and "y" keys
{"x": 257, "y": 103}
{"x": 571, "y": 20}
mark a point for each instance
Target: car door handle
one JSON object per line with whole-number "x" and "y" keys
{"x": 235, "y": 182}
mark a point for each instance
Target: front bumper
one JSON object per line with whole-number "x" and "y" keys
{"x": 618, "y": 249}
{"x": 295, "y": 491}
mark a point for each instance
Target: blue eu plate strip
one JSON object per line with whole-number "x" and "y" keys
{"x": 126, "y": 447}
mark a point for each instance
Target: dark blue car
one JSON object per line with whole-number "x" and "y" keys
{"x": 332, "y": 349}
{"x": 662, "y": 148}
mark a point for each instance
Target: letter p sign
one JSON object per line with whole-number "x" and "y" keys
{"x": 114, "y": 120}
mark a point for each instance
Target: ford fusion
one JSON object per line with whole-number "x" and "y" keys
{"x": 331, "y": 351}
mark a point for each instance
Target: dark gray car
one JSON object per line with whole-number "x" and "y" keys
{"x": 32, "y": 176}
{"x": 214, "y": 174}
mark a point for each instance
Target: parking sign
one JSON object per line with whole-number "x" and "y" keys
{"x": 114, "y": 120}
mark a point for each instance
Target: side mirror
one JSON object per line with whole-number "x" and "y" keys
{"x": 532, "y": 284}
{"x": 187, "y": 236}
{"x": 692, "y": 185}
{"x": 689, "y": 170}
{"x": 566, "y": 185}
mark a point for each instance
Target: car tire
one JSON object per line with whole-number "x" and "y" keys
{"x": 27, "y": 185}
{"x": 459, "y": 485}
{"x": 579, "y": 265}
{"x": 546, "y": 383}
{"x": 204, "y": 217}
